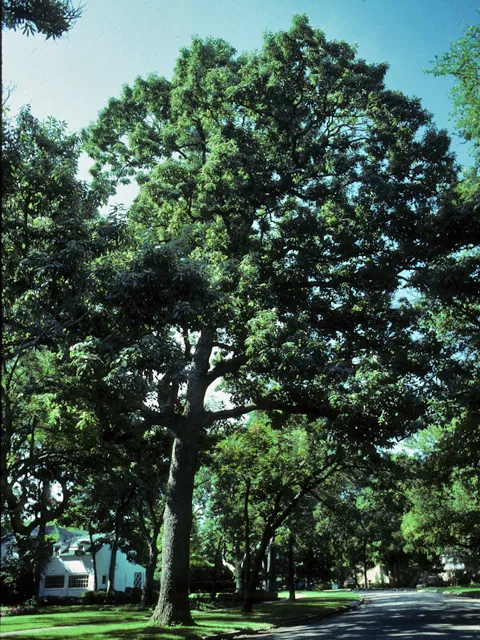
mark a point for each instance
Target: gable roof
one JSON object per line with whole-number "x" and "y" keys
{"x": 67, "y": 539}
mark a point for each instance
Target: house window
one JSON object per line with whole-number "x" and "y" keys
{"x": 78, "y": 582}
{"x": 54, "y": 582}
{"x": 104, "y": 579}
{"x": 137, "y": 580}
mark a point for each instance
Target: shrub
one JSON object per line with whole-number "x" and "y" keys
{"x": 229, "y": 597}
{"x": 112, "y": 597}
{"x": 22, "y": 610}
{"x": 429, "y": 579}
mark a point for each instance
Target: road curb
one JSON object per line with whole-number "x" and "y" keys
{"x": 290, "y": 622}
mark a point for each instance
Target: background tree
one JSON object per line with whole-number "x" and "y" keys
{"x": 463, "y": 63}
{"x": 443, "y": 515}
{"x": 48, "y": 217}
{"x": 361, "y": 515}
{"x": 271, "y": 470}
{"x": 316, "y": 557}
{"x": 447, "y": 514}
{"x": 122, "y": 500}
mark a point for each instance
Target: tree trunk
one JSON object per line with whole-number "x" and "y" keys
{"x": 111, "y": 568}
{"x": 173, "y": 606}
{"x": 291, "y": 568}
{"x": 39, "y": 560}
{"x": 364, "y": 550}
{"x": 151, "y": 539}
{"x": 255, "y": 566}
{"x": 238, "y": 564}
{"x": 94, "y": 558}
{"x": 125, "y": 500}
{"x": 41, "y": 554}
{"x": 247, "y": 605}
{"x": 147, "y": 591}
{"x": 217, "y": 565}
{"x": 272, "y": 569}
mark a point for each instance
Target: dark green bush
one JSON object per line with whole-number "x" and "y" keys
{"x": 130, "y": 596}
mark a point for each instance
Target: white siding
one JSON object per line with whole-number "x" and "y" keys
{"x": 67, "y": 566}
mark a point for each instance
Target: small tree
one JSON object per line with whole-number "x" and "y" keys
{"x": 270, "y": 471}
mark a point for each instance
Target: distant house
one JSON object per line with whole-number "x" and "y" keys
{"x": 377, "y": 575}
{"x": 70, "y": 569}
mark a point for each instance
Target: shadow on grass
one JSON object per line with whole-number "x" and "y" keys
{"x": 214, "y": 622}
{"x": 264, "y": 616}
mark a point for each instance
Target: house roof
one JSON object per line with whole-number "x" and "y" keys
{"x": 67, "y": 539}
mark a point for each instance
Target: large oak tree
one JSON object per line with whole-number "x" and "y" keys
{"x": 286, "y": 199}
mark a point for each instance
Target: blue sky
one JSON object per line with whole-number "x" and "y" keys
{"x": 116, "y": 40}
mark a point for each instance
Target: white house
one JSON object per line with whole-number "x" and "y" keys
{"x": 70, "y": 570}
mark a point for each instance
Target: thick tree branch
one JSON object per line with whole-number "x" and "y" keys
{"x": 224, "y": 367}
{"x": 152, "y": 417}
{"x": 315, "y": 411}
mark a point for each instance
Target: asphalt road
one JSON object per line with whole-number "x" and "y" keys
{"x": 395, "y": 615}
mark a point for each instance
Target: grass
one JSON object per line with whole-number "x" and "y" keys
{"x": 64, "y": 618}
{"x": 471, "y": 592}
{"x": 132, "y": 625}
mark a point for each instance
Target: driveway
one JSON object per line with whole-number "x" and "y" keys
{"x": 396, "y": 615}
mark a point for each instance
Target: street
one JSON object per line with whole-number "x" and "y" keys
{"x": 393, "y": 615}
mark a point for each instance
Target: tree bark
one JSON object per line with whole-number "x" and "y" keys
{"x": 238, "y": 564}
{"x": 113, "y": 562}
{"x": 41, "y": 554}
{"x": 291, "y": 568}
{"x": 94, "y": 557}
{"x": 364, "y": 552}
{"x": 173, "y": 606}
{"x": 247, "y": 605}
{"x": 272, "y": 569}
{"x": 147, "y": 591}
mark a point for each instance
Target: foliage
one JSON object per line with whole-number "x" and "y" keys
{"x": 444, "y": 510}
{"x": 47, "y": 221}
{"x": 122, "y": 500}
{"x": 277, "y": 467}
{"x": 18, "y": 566}
{"x": 444, "y": 506}
{"x": 462, "y": 62}
{"x": 51, "y": 18}
{"x": 282, "y": 310}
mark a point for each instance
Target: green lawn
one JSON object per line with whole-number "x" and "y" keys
{"x": 54, "y": 618}
{"x": 473, "y": 592}
{"x": 133, "y": 625}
